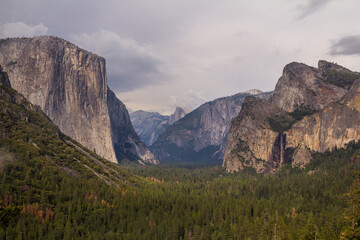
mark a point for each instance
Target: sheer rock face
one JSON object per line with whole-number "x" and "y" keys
{"x": 127, "y": 143}
{"x": 179, "y": 113}
{"x": 304, "y": 86}
{"x": 149, "y": 125}
{"x": 70, "y": 86}
{"x": 334, "y": 126}
{"x": 256, "y": 141}
{"x": 250, "y": 135}
{"x": 201, "y": 134}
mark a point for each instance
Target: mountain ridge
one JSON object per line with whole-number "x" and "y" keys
{"x": 200, "y": 135}
{"x": 299, "y": 119}
{"x": 149, "y": 125}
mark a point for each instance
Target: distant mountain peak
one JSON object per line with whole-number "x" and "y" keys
{"x": 149, "y": 125}
{"x": 200, "y": 136}
{"x": 253, "y": 91}
{"x": 179, "y": 113}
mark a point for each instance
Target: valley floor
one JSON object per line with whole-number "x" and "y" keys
{"x": 179, "y": 203}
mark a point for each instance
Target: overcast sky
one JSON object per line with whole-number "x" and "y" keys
{"x": 163, "y": 53}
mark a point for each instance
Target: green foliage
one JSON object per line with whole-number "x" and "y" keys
{"x": 241, "y": 146}
{"x": 53, "y": 188}
{"x": 301, "y": 112}
{"x": 179, "y": 203}
{"x": 188, "y": 156}
{"x": 280, "y": 123}
{"x": 340, "y": 79}
{"x": 352, "y": 215}
{"x": 8, "y": 213}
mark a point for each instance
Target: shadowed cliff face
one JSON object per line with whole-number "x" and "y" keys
{"x": 251, "y": 137}
{"x": 70, "y": 86}
{"x": 149, "y": 125}
{"x": 311, "y": 111}
{"x": 126, "y": 142}
{"x": 4, "y": 79}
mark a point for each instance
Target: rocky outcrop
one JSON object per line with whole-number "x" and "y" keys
{"x": 179, "y": 113}
{"x": 321, "y": 115}
{"x": 333, "y": 127}
{"x": 253, "y": 91}
{"x": 24, "y": 128}
{"x": 127, "y": 143}
{"x": 250, "y": 135}
{"x": 70, "y": 86}
{"x": 149, "y": 125}
{"x": 200, "y": 135}
{"x": 304, "y": 86}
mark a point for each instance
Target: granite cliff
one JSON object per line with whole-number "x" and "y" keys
{"x": 201, "y": 135}
{"x": 333, "y": 127}
{"x": 149, "y": 125}
{"x": 313, "y": 88}
{"x": 70, "y": 86}
{"x": 311, "y": 110}
{"x": 29, "y": 138}
{"x": 179, "y": 113}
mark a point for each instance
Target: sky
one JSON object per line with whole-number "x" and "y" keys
{"x": 161, "y": 54}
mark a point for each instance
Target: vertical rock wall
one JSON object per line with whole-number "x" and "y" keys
{"x": 70, "y": 86}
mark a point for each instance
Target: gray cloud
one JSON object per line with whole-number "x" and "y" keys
{"x": 190, "y": 99}
{"x": 21, "y": 29}
{"x": 310, "y": 7}
{"x": 349, "y": 45}
{"x": 129, "y": 64}
{"x": 144, "y": 21}
{"x": 158, "y": 49}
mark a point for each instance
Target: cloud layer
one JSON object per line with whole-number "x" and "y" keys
{"x": 21, "y": 29}
{"x": 162, "y": 53}
{"x": 349, "y": 45}
{"x": 309, "y": 7}
{"x": 130, "y": 65}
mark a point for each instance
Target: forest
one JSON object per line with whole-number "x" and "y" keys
{"x": 40, "y": 201}
{"x": 53, "y": 188}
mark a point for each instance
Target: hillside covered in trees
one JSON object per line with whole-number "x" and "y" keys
{"x": 53, "y": 188}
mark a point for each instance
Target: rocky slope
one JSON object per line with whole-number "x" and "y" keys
{"x": 311, "y": 111}
{"x": 201, "y": 135}
{"x": 250, "y": 135}
{"x": 304, "y": 86}
{"x": 333, "y": 127}
{"x": 30, "y": 137}
{"x": 149, "y": 125}
{"x": 70, "y": 86}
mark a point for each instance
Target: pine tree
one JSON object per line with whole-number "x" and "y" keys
{"x": 352, "y": 216}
